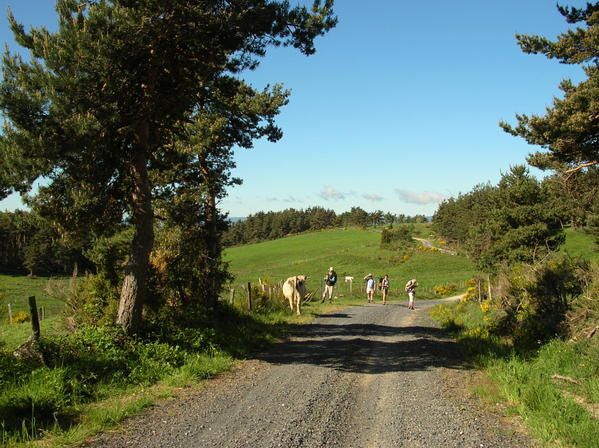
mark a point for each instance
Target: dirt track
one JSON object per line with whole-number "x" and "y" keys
{"x": 371, "y": 376}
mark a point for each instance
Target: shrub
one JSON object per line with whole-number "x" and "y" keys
{"x": 109, "y": 254}
{"x": 446, "y": 289}
{"x": 582, "y": 320}
{"x": 536, "y": 298}
{"x": 21, "y": 317}
{"x": 262, "y": 303}
{"x": 397, "y": 238}
{"x": 153, "y": 361}
{"x": 91, "y": 300}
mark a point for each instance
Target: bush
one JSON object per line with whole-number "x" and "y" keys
{"x": 446, "y": 289}
{"x": 91, "y": 300}
{"x": 153, "y": 361}
{"x": 20, "y": 317}
{"x": 536, "y": 298}
{"x": 582, "y": 320}
{"x": 397, "y": 238}
{"x": 109, "y": 254}
{"x": 262, "y": 303}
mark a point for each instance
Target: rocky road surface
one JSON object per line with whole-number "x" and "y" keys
{"x": 370, "y": 376}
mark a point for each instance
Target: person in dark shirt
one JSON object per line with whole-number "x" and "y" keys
{"x": 329, "y": 284}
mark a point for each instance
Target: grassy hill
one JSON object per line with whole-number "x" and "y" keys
{"x": 352, "y": 252}
{"x": 580, "y": 244}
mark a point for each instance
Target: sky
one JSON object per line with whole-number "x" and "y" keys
{"x": 397, "y": 110}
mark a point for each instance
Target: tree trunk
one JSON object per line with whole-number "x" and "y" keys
{"x": 212, "y": 230}
{"x": 134, "y": 290}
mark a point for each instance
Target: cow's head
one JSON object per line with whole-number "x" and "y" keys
{"x": 300, "y": 279}
{"x": 300, "y": 284}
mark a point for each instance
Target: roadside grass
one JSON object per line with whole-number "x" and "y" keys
{"x": 555, "y": 388}
{"x": 352, "y": 252}
{"x": 97, "y": 382}
{"x": 14, "y": 335}
{"x": 581, "y": 244}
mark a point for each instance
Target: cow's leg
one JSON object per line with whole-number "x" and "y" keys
{"x": 299, "y": 302}
{"x": 291, "y": 303}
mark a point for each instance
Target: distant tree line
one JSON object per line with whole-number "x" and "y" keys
{"x": 263, "y": 226}
{"x": 30, "y": 244}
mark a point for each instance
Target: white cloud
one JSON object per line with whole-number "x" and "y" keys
{"x": 420, "y": 197}
{"x": 373, "y": 197}
{"x": 329, "y": 192}
{"x": 289, "y": 199}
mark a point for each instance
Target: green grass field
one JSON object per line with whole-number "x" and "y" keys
{"x": 15, "y": 290}
{"x": 352, "y": 252}
{"x": 580, "y": 244}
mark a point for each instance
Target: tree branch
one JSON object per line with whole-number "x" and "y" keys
{"x": 571, "y": 171}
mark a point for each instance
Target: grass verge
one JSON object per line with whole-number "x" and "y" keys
{"x": 554, "y": 389}
{"x": 93, "y": 380}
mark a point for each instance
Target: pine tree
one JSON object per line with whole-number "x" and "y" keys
{"x": 569, "y": 130}
{"x": 103, "y": 95}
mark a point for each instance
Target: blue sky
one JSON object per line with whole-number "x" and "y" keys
{"x": 399, "y": 107}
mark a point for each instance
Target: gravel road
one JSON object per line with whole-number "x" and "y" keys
{"x": 370, "y": 376}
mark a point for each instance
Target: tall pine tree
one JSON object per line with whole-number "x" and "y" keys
{"x": 569, "y": 130}
{"x": 101, "y": 97}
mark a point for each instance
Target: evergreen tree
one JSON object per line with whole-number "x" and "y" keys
{"x": 569, "y": 130}
{"x": 104, "y": 95}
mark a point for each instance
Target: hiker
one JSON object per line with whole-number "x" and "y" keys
{"x": 369, "y": 287}
{"x": 385, "y": 288}
{"x": 411, "y": 290}
{"x": 329, "y": 284}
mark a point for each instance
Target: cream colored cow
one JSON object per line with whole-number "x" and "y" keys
{"x": 294, "y": 290}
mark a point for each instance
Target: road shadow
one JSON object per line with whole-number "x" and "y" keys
{"x": 335, "y": 315}
{"x": 354, "y": 348}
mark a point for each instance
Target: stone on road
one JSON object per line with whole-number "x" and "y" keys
{"x": 370, "y": 376}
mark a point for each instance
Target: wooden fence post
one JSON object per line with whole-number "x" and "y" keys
{"x": 249, "y": 297}
{"x": 35, "y": 322}
{"x": 9, "y": 314}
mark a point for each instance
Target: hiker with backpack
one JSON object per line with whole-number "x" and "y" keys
{"x": 384, "y": 286}
{"x": 411, "y": 290}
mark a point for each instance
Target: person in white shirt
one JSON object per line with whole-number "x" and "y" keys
{"x": 369, "y": 288}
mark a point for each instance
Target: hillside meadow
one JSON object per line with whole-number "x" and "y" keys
{"x": 352, "y": 252}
